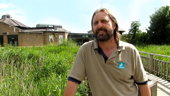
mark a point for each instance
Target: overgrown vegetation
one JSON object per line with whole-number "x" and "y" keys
{"x": 156, "y": 49}
{"x": 37, "y": 71}
{"x": 43, "y": 71}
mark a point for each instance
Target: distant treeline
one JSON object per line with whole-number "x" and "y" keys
{"x": 157, "y": 33}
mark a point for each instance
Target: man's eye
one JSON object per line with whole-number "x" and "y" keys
{"x": 95, "y": 23}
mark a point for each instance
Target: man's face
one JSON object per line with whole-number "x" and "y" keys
{"x": 103, "y": 26}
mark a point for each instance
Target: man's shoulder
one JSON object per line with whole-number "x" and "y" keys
{"x": 88, "y": 44}
{"x": 122, "y": 43}
{"x": 127, "y": 45}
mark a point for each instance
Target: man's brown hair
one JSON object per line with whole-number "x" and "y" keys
{"x": 116, "y": 31}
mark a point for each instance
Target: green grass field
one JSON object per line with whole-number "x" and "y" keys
{"x": 37, "y": 71}
{"x": 156, "y": 49}
{"x": 43, "y": 71}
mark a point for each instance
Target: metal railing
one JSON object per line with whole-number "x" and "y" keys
{"x": 156, "y": 66}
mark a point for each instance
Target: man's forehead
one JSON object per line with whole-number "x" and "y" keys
{"x": 101, "y": 15}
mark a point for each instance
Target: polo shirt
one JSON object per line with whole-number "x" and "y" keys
{"x": 115, "y": 76}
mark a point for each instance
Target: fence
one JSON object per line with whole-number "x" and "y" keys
{"x": 156, "y": 66}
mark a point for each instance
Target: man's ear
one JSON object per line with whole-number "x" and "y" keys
{"x": 114, "y": 25}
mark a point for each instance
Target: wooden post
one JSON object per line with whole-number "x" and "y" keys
{"x": 167, "y": 71}
{"x": 151, "y": 63}
{"x": 153, "y": 88}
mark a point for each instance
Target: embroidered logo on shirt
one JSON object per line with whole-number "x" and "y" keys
{"x": 121, "y": 65}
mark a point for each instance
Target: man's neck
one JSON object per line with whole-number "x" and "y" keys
{"x": 108, "y": 45}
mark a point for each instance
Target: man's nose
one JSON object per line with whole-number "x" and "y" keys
{"x": 99, "y": 25}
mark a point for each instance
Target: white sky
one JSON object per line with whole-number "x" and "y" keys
{"x": 75, "y": 15}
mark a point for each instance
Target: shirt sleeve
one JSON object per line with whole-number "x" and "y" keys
{"x": 140, "y": 76}
{"x": 74, "y": 80}
{"x": 78, "y": 69}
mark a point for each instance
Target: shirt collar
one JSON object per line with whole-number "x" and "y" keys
{"x": 121, "y": 45}
{"x": 95, "y": 44}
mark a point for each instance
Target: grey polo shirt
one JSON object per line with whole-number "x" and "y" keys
{"x": 116, "y": 76}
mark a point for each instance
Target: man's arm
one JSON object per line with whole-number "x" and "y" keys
{"x": 71, "y": 88}
{"x": 144, "y": 90}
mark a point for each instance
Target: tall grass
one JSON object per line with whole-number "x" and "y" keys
{"x": 43, "y": 71}
{"x": 157, "y": 49}
{"x": 37, "y": 71}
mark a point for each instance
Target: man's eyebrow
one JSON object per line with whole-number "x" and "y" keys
{"x": 95, "y": 22}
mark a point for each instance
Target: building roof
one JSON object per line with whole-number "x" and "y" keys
{"x": 51, "y": 27}
{"x": 80, "y": 33}
{"x": 61, "y": 29}
{"x": 48, "y": 25}
{"x": 32, "y": 29}
{"x": 120, "y": 30}
{"x": 40, "y": 27}
{"x": 8, "y": 20}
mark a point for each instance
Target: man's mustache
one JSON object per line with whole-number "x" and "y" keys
{"x": 101, "y": 29}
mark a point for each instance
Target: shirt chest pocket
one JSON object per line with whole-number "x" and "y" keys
{"x": 119, "y": 70}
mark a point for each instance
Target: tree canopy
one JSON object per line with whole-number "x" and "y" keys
{"x": 134, "y": 28}
{"x": 157, "y": 33}
{"x": 159, "y": 29}
{"x": 134, "y": 33}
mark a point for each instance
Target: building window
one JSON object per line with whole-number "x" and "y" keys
{"x": 14, "y": 29}
{"x": 51, "y": 38}
{"x": 60, "y": 37}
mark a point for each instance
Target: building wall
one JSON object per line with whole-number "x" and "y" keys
{"x": 39, "y": 39}
{"x": 46, "y": 38}
{"x": 5, "y": 39}
{"x": 30, "y": 39}
{"x": 9, "y": 29}
{"x": 55, "y": 36}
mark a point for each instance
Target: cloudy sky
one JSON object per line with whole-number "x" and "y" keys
{"x": 75, "y": 15}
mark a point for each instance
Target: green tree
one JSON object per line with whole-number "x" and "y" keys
{"x": 134, "y": 28}
{"x": 159, "y": 29}
{"x": 134, "y": 32}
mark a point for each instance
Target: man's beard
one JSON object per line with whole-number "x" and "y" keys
{"x": 103, "y": 37}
